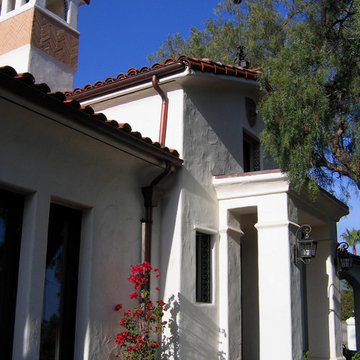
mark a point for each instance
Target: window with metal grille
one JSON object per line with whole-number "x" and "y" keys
{"x": 203, "y": 267}
{"x": 251, "y": 151}
{"x": 61, "y": 279}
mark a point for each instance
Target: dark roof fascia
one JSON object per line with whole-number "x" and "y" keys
{"x": 138, "y": 79}
{"x": 326, "y": 198}
{"x": 54, "y": 105}
{"x": 356, "y": 258}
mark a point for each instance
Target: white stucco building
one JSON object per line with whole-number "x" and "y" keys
{"x": 222, "y": 221}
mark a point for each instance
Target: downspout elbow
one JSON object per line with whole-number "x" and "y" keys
{"x": 151, "y": 196}
{"x": 164, "y": 110}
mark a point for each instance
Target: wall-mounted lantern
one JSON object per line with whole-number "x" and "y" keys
{"x": 344, "y": 259}
{"x": 305, "y": 247}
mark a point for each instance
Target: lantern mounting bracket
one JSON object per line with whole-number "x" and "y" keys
{"x": 344, "y": 259}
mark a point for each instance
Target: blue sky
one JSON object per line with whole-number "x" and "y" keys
{"x": 117, "y": 34}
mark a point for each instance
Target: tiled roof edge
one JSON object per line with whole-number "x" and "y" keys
{"x": 249, "y": 173}
{"x": 24, "y": 84}
{"x": 169, "y": 67}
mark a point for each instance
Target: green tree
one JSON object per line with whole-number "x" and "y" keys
{"x": 258, "y": 25}
{"x": 347, "y": 304}
{"x": 311, "y": 114}
{"x": 309, "y": 54}
{"x": 352, "y": 238}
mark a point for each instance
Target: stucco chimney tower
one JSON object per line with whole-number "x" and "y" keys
{"x": 41, "y": 37}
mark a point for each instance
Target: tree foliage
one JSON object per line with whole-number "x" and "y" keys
{"x": 308, "y": 51}
{"x": 311, "y": 114}
{"x": 258, "y": 25}
{"x": 347, "y": 304}
{"x": 352, "y": 237}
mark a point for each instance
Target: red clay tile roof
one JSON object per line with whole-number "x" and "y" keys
{"x": 169, "y": 67}
{"x": 21, "y": 83}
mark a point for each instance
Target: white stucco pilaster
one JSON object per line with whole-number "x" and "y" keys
{"x": 333, "y": 289}
{"x": 274, "y": 261}
{"x": 31, "y": 277}
{"x": 83, "y": 312}
{"x": 223, "y": 291}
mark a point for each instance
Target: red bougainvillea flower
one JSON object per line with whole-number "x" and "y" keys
{"x": 161, "y": 302}
{"x": 146, "y": 266}
{"x": 134, "y": 294}
{"x": 118, "y": 307}
{"x": 143, "y": 322}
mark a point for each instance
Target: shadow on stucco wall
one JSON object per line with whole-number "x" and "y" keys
{"x": 170, "y": 343}
{"x": 205, "y": 106}
{"x": 189, "y": 347}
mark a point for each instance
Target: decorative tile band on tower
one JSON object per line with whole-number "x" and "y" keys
{"x": 36, "y": 28}
{"x": 55, "y": 39}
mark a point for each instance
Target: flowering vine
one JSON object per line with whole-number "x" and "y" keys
{"x": 143, "y": 324}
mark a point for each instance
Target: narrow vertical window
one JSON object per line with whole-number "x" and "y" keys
{"x": 251, "y": 151}
{"x": 60, "y": 292}
{"x": 203, "y": 267}
{"x": 11, "y": 212}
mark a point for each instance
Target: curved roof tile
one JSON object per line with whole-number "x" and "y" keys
{"x": 203, "y": 65}
{"x": 29, "y": 80}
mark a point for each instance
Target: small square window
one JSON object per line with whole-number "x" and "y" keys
{"x": 203, "y": 267}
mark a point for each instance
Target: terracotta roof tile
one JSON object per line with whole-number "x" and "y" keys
{"x": 183, "y": 62}
{"x": 124, "y": 128}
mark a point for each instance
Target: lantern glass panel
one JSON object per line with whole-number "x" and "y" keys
{"x": 345, "y": 262}
{"x": 307, "y": 249}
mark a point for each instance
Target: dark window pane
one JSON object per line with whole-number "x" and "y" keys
{"x": 11, "y": 210}
{"x": 62, "y": 258}
{"x": 203, "y": 267}
{"x": 251, "y": 152}
{"x": 247, "y": 155}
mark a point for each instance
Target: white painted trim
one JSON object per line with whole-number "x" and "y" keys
{"x": 231, "y": 229}
{"x": 134, "y": 89}
{"x": 206, "y": 230}
{"x": 248, "y": 82}
{"x": 275, "y": 224}
{"x": 255, "y": 185}
{"x": 250, "y": 178}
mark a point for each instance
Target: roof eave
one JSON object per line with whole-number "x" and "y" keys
{"x": 43, "y": 100}
{"x": 138, "y": 79}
